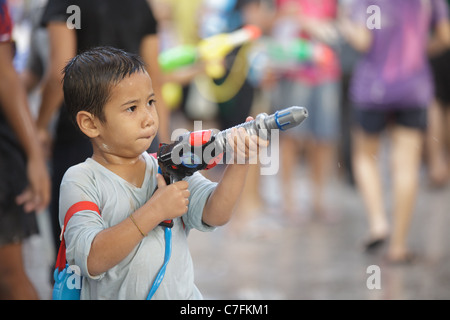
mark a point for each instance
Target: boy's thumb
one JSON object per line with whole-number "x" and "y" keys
{"x": 161, "y": 181}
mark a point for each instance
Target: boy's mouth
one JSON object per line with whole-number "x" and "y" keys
{"x": 148, "y": 135}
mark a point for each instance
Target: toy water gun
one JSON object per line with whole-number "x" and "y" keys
{"x": 300, "y": 51}
{"x": 203, "y": 150}
{"x": 211, "y": 50}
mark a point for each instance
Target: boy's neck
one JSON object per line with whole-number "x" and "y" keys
{"x": 129, "y": 169}
{"x": 106, "y": 159}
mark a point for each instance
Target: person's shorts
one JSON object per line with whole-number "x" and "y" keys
{"x": 15, "y": 224}
{"x": 375, "y": 121}
{"x": 322, "y": 102}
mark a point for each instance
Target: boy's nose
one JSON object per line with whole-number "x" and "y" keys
{"x": 147, "y": 118}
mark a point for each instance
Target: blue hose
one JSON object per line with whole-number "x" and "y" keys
{"x": 162, "y": 271}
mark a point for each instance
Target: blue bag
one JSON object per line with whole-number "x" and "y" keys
{"x": 67, "y": 284}
{"x": 68, "y": 278}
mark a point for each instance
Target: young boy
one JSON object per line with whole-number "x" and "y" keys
{"x": 109, "y": 94}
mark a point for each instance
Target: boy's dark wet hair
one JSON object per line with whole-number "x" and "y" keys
{"x": 89, "y": 77}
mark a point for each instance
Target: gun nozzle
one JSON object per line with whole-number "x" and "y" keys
{"x": 254, "y": 31}
{"x": 290, "y": 117}
{"x": 303, "y": 112}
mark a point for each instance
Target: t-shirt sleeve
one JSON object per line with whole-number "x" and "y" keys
{"x": 84, "y": 225}
{"x": 150, "y": 24}
{"x": 55, "y": 11}
{"x": 200, "y": 189}
{"x": 5, "y": 23}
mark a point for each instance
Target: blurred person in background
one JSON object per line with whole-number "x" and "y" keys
{"x": 73, "y": 27}
{"x": 312, "y": 82}
{"x": 233, "y": 93}
{"x": 37, "y": 57}
{"x": 391, "y": 88}
{"x": 225, "y": 97}
{"x": 234, "y": 102}
{"x": 25, "y": 181}
{"x": 177, "y": 27}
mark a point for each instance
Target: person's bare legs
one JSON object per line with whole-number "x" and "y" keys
{"x": 321, "y": 156}
{"x": 368, "y": 179}
{"x": 14, "y": 282}
{"x": 288, "y": 160}
{"x": 435, "y": 143}
{"x": 447, "y": 137}
{"x": 407, "y": 145}
{"x": 249, "y": 205}
{"x": 251, "y": 197}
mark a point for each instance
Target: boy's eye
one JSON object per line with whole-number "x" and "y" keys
{"x": 131, "y": 109}
{"x": 151, "y": 102}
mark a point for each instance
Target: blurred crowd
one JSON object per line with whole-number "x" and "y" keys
{"x": 365, "y": 70}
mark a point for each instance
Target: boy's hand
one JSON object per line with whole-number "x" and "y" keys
{"x": 244, "y": 147}
{"x": 171, "y": 201}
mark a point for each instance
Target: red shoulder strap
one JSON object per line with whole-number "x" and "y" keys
{"x": 77, "y": 207}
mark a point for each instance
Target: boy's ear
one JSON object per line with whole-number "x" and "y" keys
{"x": 87, "y": 124}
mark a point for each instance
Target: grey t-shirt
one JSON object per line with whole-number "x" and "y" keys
{"x": 117, "y": 199}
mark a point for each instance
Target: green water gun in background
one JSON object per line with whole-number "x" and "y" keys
{"x": 270, "y": 55}
{"x": 211, "y": 51}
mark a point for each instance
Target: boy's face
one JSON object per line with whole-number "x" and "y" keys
{"x": 131, "y": 118}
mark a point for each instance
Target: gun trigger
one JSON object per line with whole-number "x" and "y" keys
{"x": 214, "y": 161}
{"x": 167, "y": 223}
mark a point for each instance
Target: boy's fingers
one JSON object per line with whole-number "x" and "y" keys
{"x": 161, "y": 181}
{"x": 242, "y": 140}
{"x": 253, "y": 143}
{"x": 186, "y": 193}
{"x": 182, "y": 185}
{"x": 261, "y": 142}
